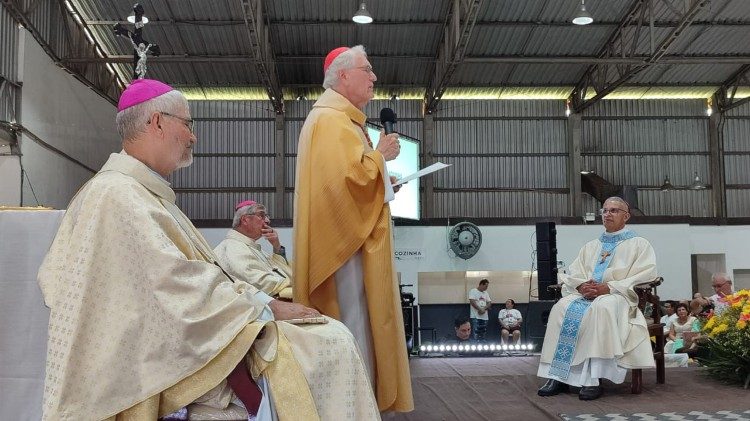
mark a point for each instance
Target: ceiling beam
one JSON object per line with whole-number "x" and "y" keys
{"x": 98, "y": 78}
{"x": 262, "y": 52}
{"x": 725, "y": 97}
{"x": 605, "y": 78}
{"x": 479, "y": 24}
{"x": 456, "y": 35}
{"x": 592, "y": 60}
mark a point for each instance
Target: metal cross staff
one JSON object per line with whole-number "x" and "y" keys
{"x": 141, "y": 47}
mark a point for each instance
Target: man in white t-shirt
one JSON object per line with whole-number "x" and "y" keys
{"x": 667, "y": 319}
{"x": 479, "y": 308}
{"x": 510, "y": 322}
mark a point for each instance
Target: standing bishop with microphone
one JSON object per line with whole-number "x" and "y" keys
{"x": 343, "y": 248}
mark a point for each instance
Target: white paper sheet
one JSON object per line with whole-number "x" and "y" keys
{"x": 424, "y": 171}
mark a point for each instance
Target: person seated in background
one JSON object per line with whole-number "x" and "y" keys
{"x": 722, "y": 285}
{"x": 699, "y": 306}
{"x": 510, "y": 322}
{"x": 670, "y": 316}
{"x": 240, "y": 254}
{"x": 684, "y": 323}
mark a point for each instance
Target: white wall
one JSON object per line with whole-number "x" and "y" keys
{"x": 10, "y": 180}
{"x": 66, "y": 114}
{"x": 510, "y": 247}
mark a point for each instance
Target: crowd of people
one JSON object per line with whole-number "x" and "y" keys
{"x": 682, "y": 319}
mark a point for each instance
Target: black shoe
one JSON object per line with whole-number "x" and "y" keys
{"x": 589, "y": 393}
{"x": 552, "y": 388}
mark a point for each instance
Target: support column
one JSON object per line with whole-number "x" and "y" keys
{"x": 575, "y": 207}
{"x": 428, "y": 183}
{"x": 279, "y": 169}
{"x": 716, "y": 165}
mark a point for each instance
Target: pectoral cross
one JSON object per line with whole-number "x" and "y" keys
{"x": 605, "y": 254}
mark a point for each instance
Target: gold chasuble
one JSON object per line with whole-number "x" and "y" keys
{"x": 143, "y": 322}
{"x": 339, "y": 210}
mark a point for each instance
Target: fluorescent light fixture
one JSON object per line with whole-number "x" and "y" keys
{"x": 583, "y": 17}
{"x": 362, "y": 16}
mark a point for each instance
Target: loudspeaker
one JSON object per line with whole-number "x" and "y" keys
{"x": 536, "y": 320}
{"x": 545, "y": 231}
{"x": 546, "y": 251}
{"x": 546, "y": 258}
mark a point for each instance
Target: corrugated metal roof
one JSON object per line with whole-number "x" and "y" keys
{"x": 405, "y": 39}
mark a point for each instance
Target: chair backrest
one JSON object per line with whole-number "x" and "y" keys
{"x": 647, "y": 295}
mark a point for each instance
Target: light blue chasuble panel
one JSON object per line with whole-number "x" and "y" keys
{"x": 566, "y": 344}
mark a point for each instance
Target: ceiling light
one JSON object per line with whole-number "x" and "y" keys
{"x": 131, "y": 19}
{"x": 697, "y": 183}
{"x": 667, "y": 185}
{"x": 583, "y": 17}
{"x": 362, "y": 15}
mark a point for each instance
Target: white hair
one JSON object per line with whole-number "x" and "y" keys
{"x": 132, "y": 121}
{"x": 618, "y": 200}
{"x": 245, "y": 210}
{"x": 721, "y": 275}
{"x": 344, "y": 61}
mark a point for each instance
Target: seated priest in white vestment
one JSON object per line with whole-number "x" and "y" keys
{"x": 596, "y": 330}
{"x": 146, "y": 324}
{"x": 240, "y": 254}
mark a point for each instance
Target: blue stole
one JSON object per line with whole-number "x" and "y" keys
{"x": 566, "y": 344}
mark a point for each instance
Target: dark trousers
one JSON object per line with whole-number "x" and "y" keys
{"x": 478, "y": 329}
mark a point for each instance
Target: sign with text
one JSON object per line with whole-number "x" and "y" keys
{"x": 408, "y": 254}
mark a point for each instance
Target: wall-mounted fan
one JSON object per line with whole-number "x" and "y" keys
{"x": 465, "y": 239}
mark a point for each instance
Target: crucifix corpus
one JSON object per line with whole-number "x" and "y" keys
{"x": 141, "y": 47}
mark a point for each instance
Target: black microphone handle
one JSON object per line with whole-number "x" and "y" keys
{"x": 388, "y": 126}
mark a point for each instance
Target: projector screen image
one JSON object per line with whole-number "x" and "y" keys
{"x": 406, "y": 204}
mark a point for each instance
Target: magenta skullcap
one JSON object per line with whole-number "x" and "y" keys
{"x": 141, "y": 90}
{"x": 244, "y": 203}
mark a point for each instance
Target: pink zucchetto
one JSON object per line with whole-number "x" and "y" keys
{"x": 141, "y": 90}
{"x": 244, "y": 203}
{"x": 332, "y": 56}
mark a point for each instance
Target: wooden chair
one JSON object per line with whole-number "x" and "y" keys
{"x": 646, "y": 294}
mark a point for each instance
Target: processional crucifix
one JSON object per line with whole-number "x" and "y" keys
{"x": 141, "y": 47}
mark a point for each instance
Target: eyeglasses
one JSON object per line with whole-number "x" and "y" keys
{"x": 262, "y": 215}
{"x": 366, "y": 69}
{"x": 189, "y": 122}
{"x": 718, "y": 286}
{"x": 613, "y": 211}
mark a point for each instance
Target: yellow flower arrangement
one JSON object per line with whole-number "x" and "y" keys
{"x": 728, "y": 342}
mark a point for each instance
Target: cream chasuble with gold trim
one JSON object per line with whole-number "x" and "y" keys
{"x": 144, "y": 321}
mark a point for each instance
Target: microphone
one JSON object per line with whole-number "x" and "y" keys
{"x": 387, "y": 119}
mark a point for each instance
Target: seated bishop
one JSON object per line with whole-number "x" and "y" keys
{"x": 146, "y": 324}
{"x": 596, "y": 330}
{"x": 240, "y": 253}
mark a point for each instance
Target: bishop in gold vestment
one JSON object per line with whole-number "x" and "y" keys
{"x": 343, "y": 248}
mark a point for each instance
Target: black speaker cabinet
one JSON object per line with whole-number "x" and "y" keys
{"x": 536, "y": 321}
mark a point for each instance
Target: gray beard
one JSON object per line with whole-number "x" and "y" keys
{"x": 184, "y": 163}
